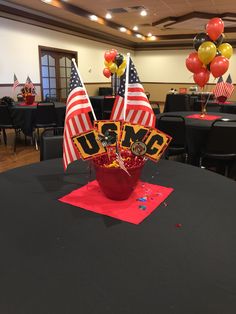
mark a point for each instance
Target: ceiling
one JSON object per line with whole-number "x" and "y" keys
{"x": 168, "y": 23}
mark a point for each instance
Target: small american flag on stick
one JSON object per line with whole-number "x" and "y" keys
{"x": 219, "y": 89}
{"x": 138, "y": 109}
{"x": 77, "y": 119}
{"x": 229, "y": 87}
{"x": 16, "y": 82}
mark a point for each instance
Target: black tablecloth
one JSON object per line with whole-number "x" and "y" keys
{"x": 196, "y": 131}
{"x": 57, "y": 259}
{"x": 24, "y": 116}
{"x": 228, "y": 108}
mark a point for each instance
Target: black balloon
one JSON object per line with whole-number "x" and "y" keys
{"x": 218, "y": 53}
{"x": 199, "y": 39}
{"x": 219, "y": 40}
{"x": 119, "y": 59}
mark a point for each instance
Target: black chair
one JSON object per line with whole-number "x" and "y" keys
{"x": 174, "y": 126}
{"x": 177, "y": 102}
{"x": 220, "y": 148}
{"x": 51, "y": 143}
{"x": 107, "y": 106}
{"x": 6, "y": 122}
{"x": 45, "y": 118}
{"x": 105, "y": 91}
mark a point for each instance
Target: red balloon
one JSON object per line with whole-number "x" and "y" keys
{"x": 219, "y": 65}
{"x": 201, "y": 77}
{"x": 113, "y": 53}
{"x": 193, "y": 63}
{"x": 215, "y": 28}
{"x": 106, "y": 72}
{"x": 108, "y": 56}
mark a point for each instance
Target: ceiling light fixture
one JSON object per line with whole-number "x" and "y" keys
{"x": 153, "y": 37}
{"x": 93, "y": 18}
{"x": 149, "y": 34}
{"x": 108, "y": 16}
{"x": 123, "y": 29}
{"x": 143, "y": 13}
{"x": 135, "y": 28}
{"x": 138, "y": 35}
{"x": 46, "y": 1}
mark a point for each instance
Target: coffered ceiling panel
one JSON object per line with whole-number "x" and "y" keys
{"x": 167, "y": 23}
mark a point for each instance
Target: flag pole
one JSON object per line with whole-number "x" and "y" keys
{"x": 126, "y": 84}
{"x": 73, "y": 60}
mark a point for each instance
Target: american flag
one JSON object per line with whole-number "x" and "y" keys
{"x": 77, "y": 118}
{"x": 219, "y": 89}
{"x": 16, "y": 82}
{"x": 229, "y": 87}
{"x": 29, "y": 83}
{"x": 139, "y": 110}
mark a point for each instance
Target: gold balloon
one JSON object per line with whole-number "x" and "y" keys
{"x": 123, "y": 64}
{"x": 206, "y": 52}
{"x": 113, "y": 67}
{"x": 226, "y": 50}
{"x": 120, "y": 71}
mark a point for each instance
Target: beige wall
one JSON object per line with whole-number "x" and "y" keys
{"x": 19, "y": 54}
{"x": 158, "y": 70}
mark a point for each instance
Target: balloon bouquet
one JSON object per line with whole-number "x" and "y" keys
{"x": 212, "y": 56}
{"x": 115, "y": 63}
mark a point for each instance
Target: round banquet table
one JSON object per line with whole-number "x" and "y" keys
{"x": 196, "y": 131}
{"x": 24, "y": 116}
{"x": 229, "y": 107}
{"x": 57, "y": 259}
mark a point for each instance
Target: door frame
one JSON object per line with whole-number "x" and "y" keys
{"x": 53, "y": 50}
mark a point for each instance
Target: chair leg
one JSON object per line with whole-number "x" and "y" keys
{"x": 4, "y": 136}
{"x": 14, "y": 147}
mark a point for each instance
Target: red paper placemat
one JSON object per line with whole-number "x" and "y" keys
{"x": 26, "y": 105}
{"x": 143, "y": 201}
{"x": 206, "y": 117}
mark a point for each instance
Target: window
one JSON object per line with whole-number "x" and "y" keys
{"x": 55, "y": 69}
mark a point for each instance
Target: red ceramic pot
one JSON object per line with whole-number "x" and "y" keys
{"x": 115, "y": 183}
{"x": 29, "y": 99}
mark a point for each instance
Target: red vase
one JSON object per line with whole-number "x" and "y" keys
{"x": 29, "y": 99}
{"x": 115, "y": 183}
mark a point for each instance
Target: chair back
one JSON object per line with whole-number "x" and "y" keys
{"x": 45, "y": 115}
{"x": 108, "y": 103}
{"x": 5, "y": 117}
{"x": 51, "y": 144}
{"x": 174, "y": 126}
{"x": 177, "y": 102}
{"x": 221, "y": 138}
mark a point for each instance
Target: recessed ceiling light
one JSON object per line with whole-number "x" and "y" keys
{"x": 149, "y": 34}
{"x": 138, "y": 35}
{"x": 108, "y": 16}
{"x": 135, "y": 28}
{"x": 93, "y": 17}
{"x": 143, "y": 13}
{"x": 46, "y": 1}
{"x": 123, "y": 29}
{"x": 153, "y": 37}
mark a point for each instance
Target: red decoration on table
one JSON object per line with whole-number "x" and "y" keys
{"x": 91, "y": 198}
{"x": 206, "y": 117}
{"x": 23, "y": 104}
{"x": 116, "y": 183}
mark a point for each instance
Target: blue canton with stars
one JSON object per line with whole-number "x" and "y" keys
{"x": 74, "y": 79}
{"x": 133, "y": 78}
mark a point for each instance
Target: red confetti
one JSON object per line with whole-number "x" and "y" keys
{"x": 178, "y": 225}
